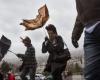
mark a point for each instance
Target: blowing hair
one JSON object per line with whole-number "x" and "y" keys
{"x": 51, "y": 27}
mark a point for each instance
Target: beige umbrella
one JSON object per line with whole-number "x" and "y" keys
{"x": 39, "y": 21}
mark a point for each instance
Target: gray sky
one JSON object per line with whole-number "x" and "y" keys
{"x": 62, "y": 15}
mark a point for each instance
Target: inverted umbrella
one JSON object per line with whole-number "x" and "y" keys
{"x": 5, "y": 44}
{"x": 39, "y": 21}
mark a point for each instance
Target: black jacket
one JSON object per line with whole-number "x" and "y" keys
{"x": 53, "y": 50}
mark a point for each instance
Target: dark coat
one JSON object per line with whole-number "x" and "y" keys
{"x": 28, "y": 58}
{"x": 88, "y": 11}
{"x": 53, "y": 50}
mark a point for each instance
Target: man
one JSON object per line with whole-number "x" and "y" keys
{"x": 29, "y": 60}
{"x": 54, "y": 45}
{"x": 89, "y": 18}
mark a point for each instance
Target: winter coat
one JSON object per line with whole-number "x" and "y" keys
{"x": 53, "y": 50}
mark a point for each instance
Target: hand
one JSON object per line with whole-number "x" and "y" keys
{"x": 19, "y": 55}
{"x": 46, "y": 38}
{"x": 75, "y": 43}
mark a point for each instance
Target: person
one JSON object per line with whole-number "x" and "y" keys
{"x": 53, "y": 45}
{"x": 88, "y": 18}
{"x": 29, "y": 60}
{"x": 11, "y": 76}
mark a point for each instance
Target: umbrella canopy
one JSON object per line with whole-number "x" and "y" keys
{"x": 5, "y": 44}
{"x": 39, "y": 21}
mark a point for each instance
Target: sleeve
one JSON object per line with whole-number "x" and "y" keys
{"x": 58, "y": 46}
{"x": 20, "y": 55}
{"x": 78, "y": 27}
{"x": 77, "y": 30}
{"x": 44, "y": 48}
{"x": 47, "y": 46}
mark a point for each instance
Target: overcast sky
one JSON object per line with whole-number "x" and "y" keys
{"x": 62, "y": 15}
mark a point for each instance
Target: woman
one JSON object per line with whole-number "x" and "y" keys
{"x": 53, "y": 45}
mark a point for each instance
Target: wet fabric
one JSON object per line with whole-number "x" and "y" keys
{"x": 39, "y": 21}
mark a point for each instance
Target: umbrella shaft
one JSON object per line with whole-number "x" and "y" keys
{"x": 12, "y": 52}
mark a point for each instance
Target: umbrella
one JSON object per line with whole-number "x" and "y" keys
{"x": 5, "y": 44}
{"x": 39, "y": 21}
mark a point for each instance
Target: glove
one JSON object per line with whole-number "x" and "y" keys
{"x": 75, "y": 43}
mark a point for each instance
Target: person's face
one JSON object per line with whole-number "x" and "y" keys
{"x": 51, "y": 34}
{"x": 26, "y": 44}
